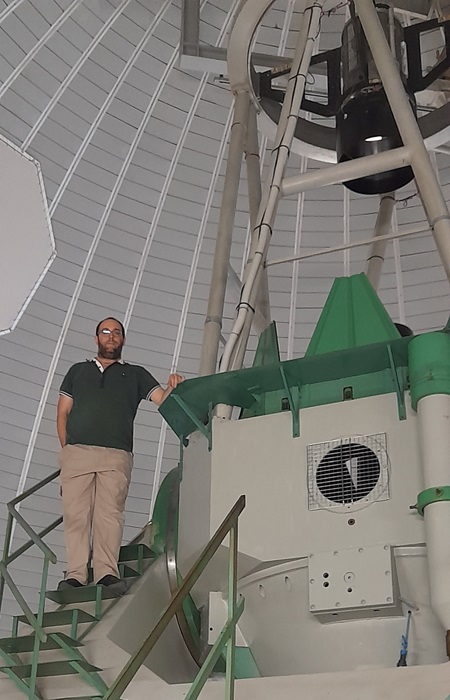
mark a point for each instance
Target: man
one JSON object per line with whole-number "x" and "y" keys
{"x": 96, "y": 410}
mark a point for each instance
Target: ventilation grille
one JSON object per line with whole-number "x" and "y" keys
{"x": 348, "y": 472}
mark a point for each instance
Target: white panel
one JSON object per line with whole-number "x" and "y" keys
{"x": 273, "y": 474}
{"x": 26, "y": 235}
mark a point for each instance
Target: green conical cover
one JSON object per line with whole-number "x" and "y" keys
{"x": 353, "y": 316}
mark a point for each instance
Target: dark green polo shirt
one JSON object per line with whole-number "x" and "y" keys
{"x": 105, "y": 403}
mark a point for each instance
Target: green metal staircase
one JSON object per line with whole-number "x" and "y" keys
{"x": 14, "y": 650}
{"x": 29, "y": 657}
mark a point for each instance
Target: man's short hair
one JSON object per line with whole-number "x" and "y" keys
{"x": 110, "y": 318}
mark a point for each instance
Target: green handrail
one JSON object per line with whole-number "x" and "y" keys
{"x": 227, "y": 635}
{"x": 30, "y": 543}
{"x": 36, "y": 621}
{"x": 35, "y": 538}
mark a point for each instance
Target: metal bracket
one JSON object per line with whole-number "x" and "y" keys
{"x": 399, "y": 381}
{"x": 433, "y": 495}
{"x": 294, "y": 405}
{"x": 205, "y": 429}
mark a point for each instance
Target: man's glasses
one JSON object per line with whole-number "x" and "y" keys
{"x": 117, "y": 333}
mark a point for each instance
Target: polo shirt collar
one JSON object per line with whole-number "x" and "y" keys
{"x": 100, "y": 366}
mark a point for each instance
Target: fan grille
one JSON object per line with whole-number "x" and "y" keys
{"x": 347, "y": 472}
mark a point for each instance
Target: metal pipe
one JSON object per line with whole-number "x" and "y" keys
{"x": 252, "y": 160}
{"x": 429, "y": 372}
{"x": 352, "y": 169}
{"x": 357, "y": 244}
{"x": 234, "y": 286}
{"x": 427, "y": 182}
{"x": 232, "y": 606}
{"x": 286, "y": 127}
{"x": 346, "y": 227}
{"x": 375, "y": 259}
{"x": 295, "y": 268}
{"x": 213, "y": 322}
{"x": 432, "y": 414}
{"x": 261, "y": 296}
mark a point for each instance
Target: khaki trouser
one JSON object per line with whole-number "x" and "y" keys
{"x": 94, "y": 487}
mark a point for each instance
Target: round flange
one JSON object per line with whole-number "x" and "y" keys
{"x": 433, "y": 495}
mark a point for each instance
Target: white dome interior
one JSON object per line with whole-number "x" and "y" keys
{"x": 133, "y": 155}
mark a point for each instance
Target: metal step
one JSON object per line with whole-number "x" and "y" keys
{"x": 83, "y": 594}
{"x": 135, "y": 552}
{"x": 57, "y": 618}
{"x": 125, "y": 571}
{"x": 19, "y": 645}
{"x": 51, "y": 668}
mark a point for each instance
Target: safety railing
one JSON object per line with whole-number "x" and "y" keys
{"x": 37, "y": 539}
{"x": 227, "y": 637}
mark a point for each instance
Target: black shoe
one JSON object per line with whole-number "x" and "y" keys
{"x": 68, "y": 584}
{"x": 114, "y": 584}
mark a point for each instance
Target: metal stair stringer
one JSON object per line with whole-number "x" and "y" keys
{"x": 71, "y": 660}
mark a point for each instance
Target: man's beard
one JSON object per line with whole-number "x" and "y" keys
{"x": 112, "y": 354}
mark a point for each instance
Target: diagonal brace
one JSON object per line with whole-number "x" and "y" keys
{"x": 205, "y": 429}
{"x": 399, "y": 381}
{"x": 294, "y": 404}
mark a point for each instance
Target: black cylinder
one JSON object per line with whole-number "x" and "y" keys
{"x": 365, "y": 124}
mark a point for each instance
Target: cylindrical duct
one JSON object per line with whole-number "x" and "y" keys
{"x": 364, "y": 123}
{"x": 429, "y": 365}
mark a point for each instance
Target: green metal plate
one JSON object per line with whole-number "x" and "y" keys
{"x": 51, "y": 668}
{"x": 161, "y": 509}
{"x": 245, "y": 387}
{"x": 245, "y": 664}
{"x": 19, "y": 645}
{"x": 61, "y": 617}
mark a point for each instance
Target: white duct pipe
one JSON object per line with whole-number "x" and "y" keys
{"x": 375, "y": 258}
{"x": 213, "y": 323}
{"x": 285, "y": 133}
{"x": 433, "y": 414}
{"x": 261, "y": 297}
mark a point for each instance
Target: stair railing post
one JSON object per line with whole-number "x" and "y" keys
{"x": 6, "y": 546}
{"x": 232, "y": 593}
{"x": 40, "y": 619}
